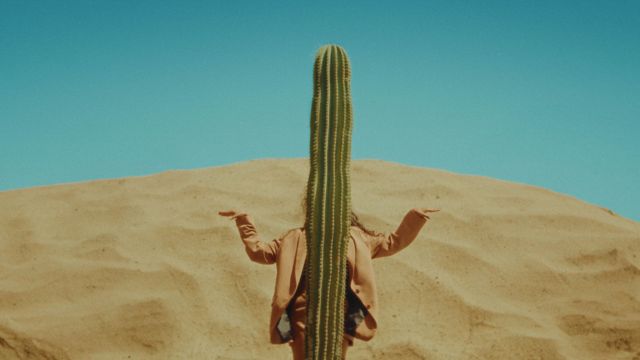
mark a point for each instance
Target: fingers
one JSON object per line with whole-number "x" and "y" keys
{"x": 430, "y": 210}
{"x": 227, "y": 213}
{"x": 232, "y": 214}
{"x": 425, "y": 211}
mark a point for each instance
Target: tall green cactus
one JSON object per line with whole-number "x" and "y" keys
{"x": 329, "y": 203}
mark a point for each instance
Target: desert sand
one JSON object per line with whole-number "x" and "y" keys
{"x": 145, "y": 268}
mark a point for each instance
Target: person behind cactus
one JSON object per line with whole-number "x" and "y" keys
{"x": 308, "y": 310}
{"x": 288, "y": 252}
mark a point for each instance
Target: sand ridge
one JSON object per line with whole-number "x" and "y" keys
{"x": 144, "y": 268}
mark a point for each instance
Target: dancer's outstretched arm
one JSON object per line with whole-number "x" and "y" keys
{"x": 388, "y": 244}
{"x": 258, "y": 251}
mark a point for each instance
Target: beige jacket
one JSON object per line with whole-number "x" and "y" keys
{"x": 288, "y": 251}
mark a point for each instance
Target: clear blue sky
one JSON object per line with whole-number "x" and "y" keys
{"x": 539, "y": 92}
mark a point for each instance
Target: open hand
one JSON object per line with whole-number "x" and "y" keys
{"x": 426, "y": 211}
{"x": 232, "y": 214}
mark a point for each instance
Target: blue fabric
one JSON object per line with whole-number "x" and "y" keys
{"x": 356, "y": 312}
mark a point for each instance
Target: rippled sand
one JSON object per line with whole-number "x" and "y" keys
{"x": 144, "y": 268}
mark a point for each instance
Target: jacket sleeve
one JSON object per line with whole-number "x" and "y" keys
{"x": 388, "y": 244}
{"x": 258, "y": 251}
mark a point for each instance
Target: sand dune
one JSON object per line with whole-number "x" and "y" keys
{"x": 144, "y": 268}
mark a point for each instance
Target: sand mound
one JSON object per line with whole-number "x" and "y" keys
{"x": 144, "y": 268}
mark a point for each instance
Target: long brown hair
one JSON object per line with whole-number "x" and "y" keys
{"x": 354, "y": 218}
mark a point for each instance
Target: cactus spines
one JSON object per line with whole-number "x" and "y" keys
{"x": 329, "y": 203}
